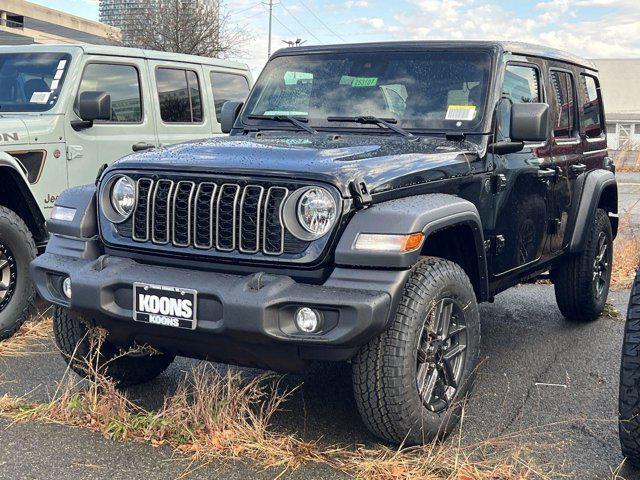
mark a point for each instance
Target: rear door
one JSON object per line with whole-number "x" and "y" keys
{"x": 566, "y": 149}
{"x": 181, "y": 113}
{"x": 223, "y": 85}
{"x": 132, "y": 120}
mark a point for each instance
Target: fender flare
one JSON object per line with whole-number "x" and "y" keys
{"x": 12, "y": 167}
{"x": 428, "y": 213}
{"x": 592, "y": 185}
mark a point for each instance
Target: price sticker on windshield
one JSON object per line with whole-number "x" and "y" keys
{"x": 40, "y": 97}
{"x": 464, "y": 113}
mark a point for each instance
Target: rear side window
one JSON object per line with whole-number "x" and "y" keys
{"x": 179, "y": 95}
{"x": 564, "y": 108}
{"x": 122, "y": 82}
{"x": 592, "y": 108}
{"x": 228, "y": 86}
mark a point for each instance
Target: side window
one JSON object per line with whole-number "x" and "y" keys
{"x": 521, "y": 85}
{"x": 179, "y": 95}
{"x": 591, "y": 115}
{"x": 122, "y": 82}
{"x": 564, "y": 109}
{"x": 228, "y": 86}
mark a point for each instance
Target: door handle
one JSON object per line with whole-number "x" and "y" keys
{"x": 546, "y": 173}
{"x": 578, "y": 168}
{"x": 138, "y": 147}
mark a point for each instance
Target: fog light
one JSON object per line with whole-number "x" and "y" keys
{"x": 66, "y": 287}
{"x": 307, "y": 320}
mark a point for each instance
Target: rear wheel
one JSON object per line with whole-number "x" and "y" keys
{"x": 72, "y": 336}
{"x": 409, "y": 381}
{"x": 582, "y": 281}
{"x": 17, "y": 293}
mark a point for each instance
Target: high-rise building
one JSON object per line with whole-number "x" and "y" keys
{"x": 115, "y": 13}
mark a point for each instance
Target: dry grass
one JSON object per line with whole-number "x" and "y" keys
{"x": 222, "y": 416}
{"x": 29, "y": 337}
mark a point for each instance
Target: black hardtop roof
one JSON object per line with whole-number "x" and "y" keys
{"x": 518, "y": 48}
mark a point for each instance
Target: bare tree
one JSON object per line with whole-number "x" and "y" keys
{"x": 197, "y": 27}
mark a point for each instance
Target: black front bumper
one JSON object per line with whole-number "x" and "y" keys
{"x": 242, "y": 319}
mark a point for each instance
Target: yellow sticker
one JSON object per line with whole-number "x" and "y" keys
{"x": 463, "y": 113}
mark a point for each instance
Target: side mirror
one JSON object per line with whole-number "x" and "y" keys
{"x": 229, "y": 114}
{"x": 94, "y": 106}
{"x": 529, "y": 122}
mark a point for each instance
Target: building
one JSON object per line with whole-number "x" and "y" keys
{"x": 23, "y": 23}
{"x": 115, "y": 13}
{"x": 619, "y": 80}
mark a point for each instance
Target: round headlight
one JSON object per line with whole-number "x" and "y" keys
{"x": 316, "y": 211}
{"x": 123, "y": 196}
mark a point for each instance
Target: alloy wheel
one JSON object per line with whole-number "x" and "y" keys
{"x": 601, "y": 264}
{"x": 441, "y": 355}
{"x": 8, "y": 272}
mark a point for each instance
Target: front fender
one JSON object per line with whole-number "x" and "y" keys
{"x": 7, "y": 160}
{"x": 427, "y": 213}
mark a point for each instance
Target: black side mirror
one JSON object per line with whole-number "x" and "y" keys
{"x": 530, "y": 122}
{"x": 229, "y": 114}
{"x": 94, "y": 106}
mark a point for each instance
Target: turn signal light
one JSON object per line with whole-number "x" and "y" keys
{"x": 379, "y": 242}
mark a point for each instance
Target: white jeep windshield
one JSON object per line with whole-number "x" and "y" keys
{"x": 31, "y": 82}
{"x": 440, "y": 90}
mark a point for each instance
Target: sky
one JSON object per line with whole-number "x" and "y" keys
{"x": 590, "y": 28}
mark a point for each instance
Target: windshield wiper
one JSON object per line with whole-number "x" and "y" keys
{"x": 298, "y": 122}
{"x": 367, "y": 119}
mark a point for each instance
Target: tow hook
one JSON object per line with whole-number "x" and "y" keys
{"x": 360, "y": 192}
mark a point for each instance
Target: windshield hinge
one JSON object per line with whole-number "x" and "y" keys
{"x": 360, "y": 192}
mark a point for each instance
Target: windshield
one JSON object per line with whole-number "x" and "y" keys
{"x": 428, "y": 90}
{"x": 31, "y": 82}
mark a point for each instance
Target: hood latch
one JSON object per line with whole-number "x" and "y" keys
{"x": 360, "y": 192}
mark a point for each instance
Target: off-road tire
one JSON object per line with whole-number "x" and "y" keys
{"x": 629, "y": 398}
{"x": 384, "y": 372}
{"x": 71, "y": 334}
{"x": 17, "y": 238}
{"x": 573, "y": 279}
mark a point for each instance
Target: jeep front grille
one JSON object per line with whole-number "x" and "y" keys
{"x": 207, "y": 215}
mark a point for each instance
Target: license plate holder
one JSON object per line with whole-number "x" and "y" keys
{"x": 164, "y": 305}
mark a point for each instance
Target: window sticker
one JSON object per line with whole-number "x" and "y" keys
{"x": 54, "y": 85}
{"x": 40, "y": 97}
{"x": 293, "y": 113}
{"x": 58, "y": 74}
{"x": 464, "y": 113}
{"x": 364, "y": 82}
{"x": 62, "y": 64}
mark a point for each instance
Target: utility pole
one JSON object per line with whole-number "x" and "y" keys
{"x": 270, "y": 15}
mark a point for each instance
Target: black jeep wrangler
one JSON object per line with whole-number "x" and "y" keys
{"x": 368, "y": 197}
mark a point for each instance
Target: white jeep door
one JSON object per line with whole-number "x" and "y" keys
{"x": 182, "y": 111}
{"x": 132, "y": 124}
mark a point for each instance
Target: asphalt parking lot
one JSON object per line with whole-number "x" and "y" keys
{"x": 552, "y": 381}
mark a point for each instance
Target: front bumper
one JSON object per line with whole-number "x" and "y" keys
{"x": 242, "y": 319}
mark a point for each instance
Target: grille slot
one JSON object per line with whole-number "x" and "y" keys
{"x": 161, "y": 211}
{"x": 212, "y": 215}
{"x": 140, "y": 231}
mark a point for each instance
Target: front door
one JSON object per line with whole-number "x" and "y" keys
{"x": 524, "y": 181}
{"x": 130, "y": 127}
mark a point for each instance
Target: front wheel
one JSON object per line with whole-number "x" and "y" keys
{"x": 17, "y": 293}
{"x": 73, "y": 338}
{"x": 629, "y": 398}
{"x": 409, "y": 382}
{"x": 582, "y": 281}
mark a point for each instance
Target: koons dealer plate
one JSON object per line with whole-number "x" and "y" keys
{"x": 162, "y": 305}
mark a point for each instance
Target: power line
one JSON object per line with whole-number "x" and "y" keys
{"x": 322, "y": 21}
{"x": 299, "y": 22}
{"x": 233, "y": 14}
{"x": 284, "y": 26}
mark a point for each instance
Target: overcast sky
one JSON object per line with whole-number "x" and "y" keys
{"x": 591, "y": 28}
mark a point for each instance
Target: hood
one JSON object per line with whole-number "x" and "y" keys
{"x": 13, "y": 131}
{"x": 384, "y": 162}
